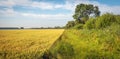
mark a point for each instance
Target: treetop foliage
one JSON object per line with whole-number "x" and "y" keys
{"x": 83, "y": 12}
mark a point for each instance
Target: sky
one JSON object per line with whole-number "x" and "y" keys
{"x": 47, "y": 13}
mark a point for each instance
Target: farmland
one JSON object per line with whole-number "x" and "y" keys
{"x": 26, "y": 44}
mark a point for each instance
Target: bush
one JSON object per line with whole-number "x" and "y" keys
{"x": 70, "y": 24}
{"x": 105, "y": 20}
{"x": 90, "y": 24}
{"x": 79, "y": 26}
{"x": 118, "y": 19}
{"x": 102, "y": 21}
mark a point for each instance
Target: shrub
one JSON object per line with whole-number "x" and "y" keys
{"x": 118, "y": 19}
{"x": 70, "y": 24}
{"x": 90, "y": 24}
{"x": 79, "y": 26}
{"x": 105, "y": 20}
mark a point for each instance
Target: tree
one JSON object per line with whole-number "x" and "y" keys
{"x": 83, "y": 12}
{"x": 21, "y": 27}
{"x": 70, "y": 24}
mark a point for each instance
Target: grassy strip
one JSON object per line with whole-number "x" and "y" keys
{"x": 87, "y": 44}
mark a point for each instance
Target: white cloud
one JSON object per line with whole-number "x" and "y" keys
{"x": 11, "y": 13}
{"x": 69, "y": 5}
{"x": 8, "y": 3}
{"x": 8, "y": 12}
{"x": 48, "y": 16}
{"x": 110, "y": 9}
{"x": 42, "y": 5}
{"x": 51, "y": 6}
{"x": 58, "y": 6}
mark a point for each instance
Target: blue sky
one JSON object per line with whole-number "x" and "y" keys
{"x": 46, "y": 13}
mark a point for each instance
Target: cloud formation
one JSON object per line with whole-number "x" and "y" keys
{"x": 69, "y": 5}
{"x": 49, "y": 16}
{"x": 50, "y": 6}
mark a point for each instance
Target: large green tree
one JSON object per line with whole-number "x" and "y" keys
{"x": 83, "y": 12}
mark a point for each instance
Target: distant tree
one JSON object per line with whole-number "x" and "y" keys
{"x": 21, "y": 27}
{"x": 57, "y": 27}
{"x": 83, "y": 12}
{"x": 70, "y": 24}
{"x": 42, "y": 27}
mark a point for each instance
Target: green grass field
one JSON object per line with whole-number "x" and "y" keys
{"x": 26, "y": 44}
{"x": 88, "y": 44}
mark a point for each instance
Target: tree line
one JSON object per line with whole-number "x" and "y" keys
{"x": 88, "y": 16}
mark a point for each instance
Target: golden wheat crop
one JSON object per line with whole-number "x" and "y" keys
{"x": 26, "y": 44}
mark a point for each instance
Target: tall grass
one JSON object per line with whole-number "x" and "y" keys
{"x": 89, "y": 44}
{"x": 99, "y": 39}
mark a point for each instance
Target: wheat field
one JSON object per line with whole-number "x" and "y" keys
{"x": 26, "y": 44}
